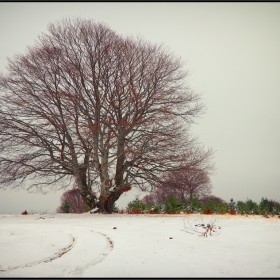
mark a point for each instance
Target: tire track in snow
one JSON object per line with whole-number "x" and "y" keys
{"x": 86, "y": 246}
{"x": 48, "y": 259}
{"x": 109, "y": 247}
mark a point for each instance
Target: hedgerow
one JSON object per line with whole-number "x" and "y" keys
{"x": 207, "y": 205}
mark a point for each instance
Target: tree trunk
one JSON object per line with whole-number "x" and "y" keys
{"x": 113, "y": 196}
{"x": 104, "y": 178}
{"x": 191, "y": 195}
{"x": 81, "y": 181}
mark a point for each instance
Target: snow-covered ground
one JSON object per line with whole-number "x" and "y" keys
{"x": 122, "y": 245}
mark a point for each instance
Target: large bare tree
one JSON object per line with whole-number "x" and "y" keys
{"x": 110, "y": 111}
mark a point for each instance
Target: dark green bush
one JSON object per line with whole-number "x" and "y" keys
{"x": 149, "y": 206}
{"x": 251, "y": 207}
{"x": 248, "y": 207}
{"x": 194, "y": 205}
{"x": 157, "y": 209}
{"x": 136, "y": 206}
{"x": 269, "y": 207}
{"x": 240, "y": 207}
{"x": 152, "y": 207}
{"x": 277, "y": 208}
{"x": 266, "y": 206}
{"x": 65, "y": 207}
{"x": 173, "y": 205}
{"x": 232, "y": 205}
{"x": 216, "y": 206}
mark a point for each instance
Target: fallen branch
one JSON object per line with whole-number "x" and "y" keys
{"x": 201, "y": 228}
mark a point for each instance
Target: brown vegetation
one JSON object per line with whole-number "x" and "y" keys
{"x": 208, "y": 211}
{"x": 232, "y": 211}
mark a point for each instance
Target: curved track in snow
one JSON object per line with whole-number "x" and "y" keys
{"x": 56, "y": 245}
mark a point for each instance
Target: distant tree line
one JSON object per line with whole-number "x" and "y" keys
{"x": 72, "y": 202}
{"x": 206, "y": 205}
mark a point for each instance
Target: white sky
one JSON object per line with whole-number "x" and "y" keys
{"x": 233, "y": 53}
{"x": 140, "y": 246}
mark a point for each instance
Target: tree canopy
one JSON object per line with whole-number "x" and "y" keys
{"x": 111, "y": 112}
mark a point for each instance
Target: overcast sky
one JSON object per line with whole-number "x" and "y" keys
{"x": 232, "y": 51}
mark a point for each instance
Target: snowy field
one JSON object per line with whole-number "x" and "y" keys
{"x": 95, "y": 245}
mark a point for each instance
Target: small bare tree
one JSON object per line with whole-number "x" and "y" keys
{"x": 187, "y": 183}
{"x": 191, "y": 179}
